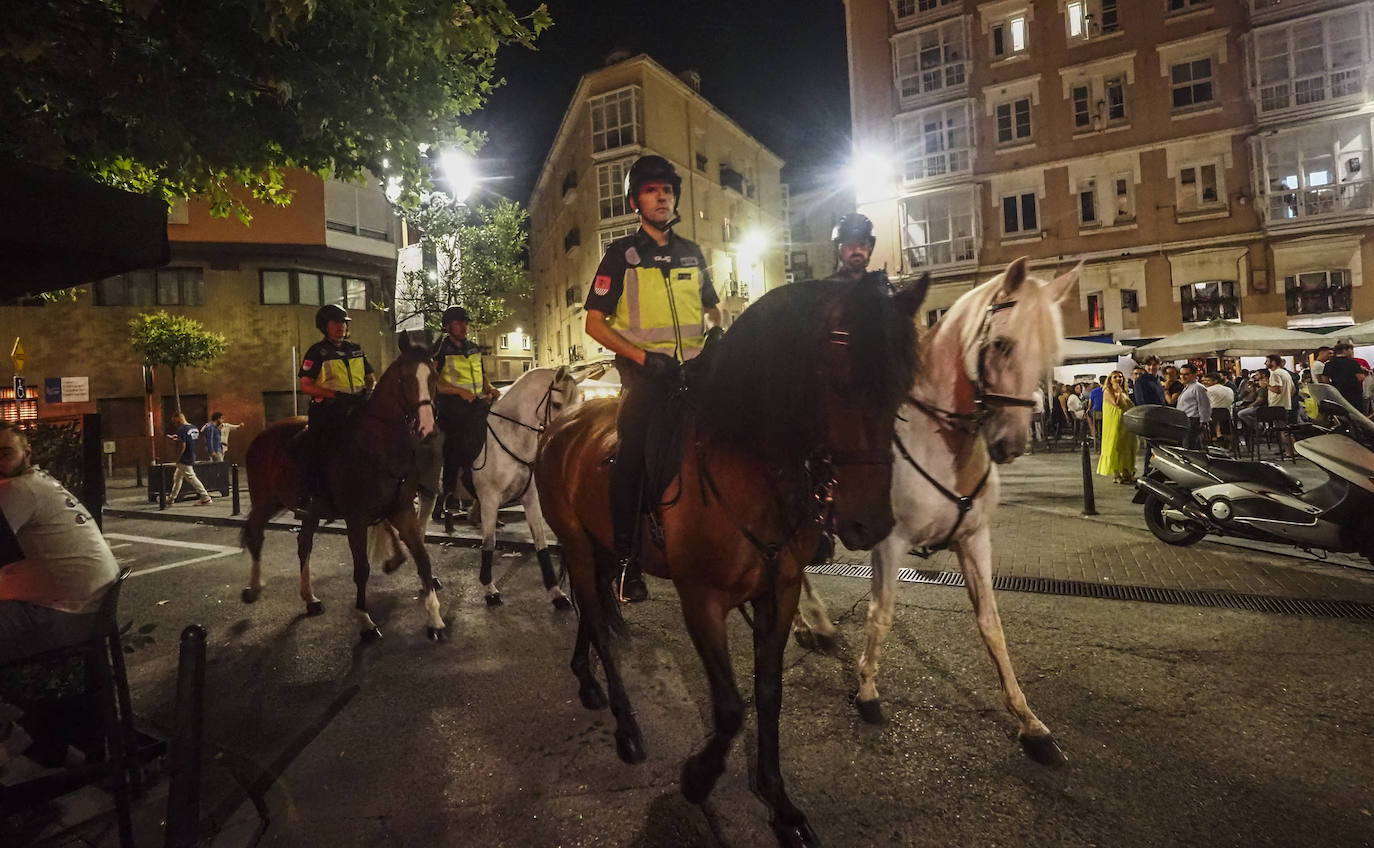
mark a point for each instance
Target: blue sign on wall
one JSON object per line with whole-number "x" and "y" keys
{"x": 52, "y": 389}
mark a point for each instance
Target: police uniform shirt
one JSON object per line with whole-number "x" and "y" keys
{"x": 448, "y": 347}
{"x": 336, "y": 366}
{"x": 640, "y": 250}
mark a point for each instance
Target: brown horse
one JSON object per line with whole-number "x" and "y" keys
{"x": 788, "y": 426}
{"x": 370, "y": 476}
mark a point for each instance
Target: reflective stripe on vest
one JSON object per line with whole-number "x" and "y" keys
{"x": 342, "y": 374}
{"x": 465, "y": 372}
{"x": 649, "y": 318}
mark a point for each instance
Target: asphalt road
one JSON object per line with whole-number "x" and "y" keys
{"x": 1183, "y": 726}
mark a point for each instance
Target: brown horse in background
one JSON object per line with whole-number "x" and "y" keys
{"x": 787, "y": 428}
{"x": 370, "y": 477}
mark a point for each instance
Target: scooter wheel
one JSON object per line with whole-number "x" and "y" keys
{"x": 1169, "y": 532}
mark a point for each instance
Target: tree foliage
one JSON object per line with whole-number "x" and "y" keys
{"x": 480, "y": 262}
{"x": 188, "y": 98}
{"x": 174, "y": 341}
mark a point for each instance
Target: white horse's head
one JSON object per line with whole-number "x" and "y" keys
{"x": 1008, "y": 330}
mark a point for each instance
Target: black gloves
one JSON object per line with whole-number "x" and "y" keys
{"x": 714, "y": 335}
{"x": 660, "y": 367}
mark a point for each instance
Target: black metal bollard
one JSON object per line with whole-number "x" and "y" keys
{"x": 234, "y": 488}
{"x": 161, "y": 487}
{"x": 1089, "y": 499}
{"x": 448, "y": 520}
{"x": 183, "y": 789}
{"x": 92, "y": 468}
{"x": 138, "y": 474}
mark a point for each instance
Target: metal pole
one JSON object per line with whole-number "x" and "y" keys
{"x": 183, "y": 789}
{"x": 161, "y": 487}
{"x": 138, "y": 474}
{"x": 1089, "y": 500}
{"x": 234, "y": 487}
{"x": 92, "y": 468}
{"x": 295, "y": 383}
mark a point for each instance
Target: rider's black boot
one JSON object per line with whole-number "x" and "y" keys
{"x": 629, "y": 581}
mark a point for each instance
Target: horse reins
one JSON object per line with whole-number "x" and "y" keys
{"x": 545, "y": 403}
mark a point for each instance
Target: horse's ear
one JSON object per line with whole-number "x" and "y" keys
{"x": 1014, "y": 276}
{"x": 1060, "y": 286}
{"x": 909, "y": 299}
{"x": 561, "y": 374}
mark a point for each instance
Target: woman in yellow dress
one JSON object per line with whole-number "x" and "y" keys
{"x": 1118, "y": 445}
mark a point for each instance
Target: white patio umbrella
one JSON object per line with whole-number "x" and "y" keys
{"x": 1080, "y": 350}
{"x": 1230, "y": 338}
{"x": 1360, "y": 334}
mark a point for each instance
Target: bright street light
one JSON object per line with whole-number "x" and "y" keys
{"x": 870, "y": 173}
{"x": 460, "y": 173}
{"x": 753, "y": 243}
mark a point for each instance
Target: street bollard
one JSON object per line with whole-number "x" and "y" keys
{"x": 1089, "y": 500}
{"x": 234, "y": 488}
{"x": 138, "y": 474}
{"x": 183, "y": 788}
{"x": 448, "y": 520}
{"x": 161, "y": 487}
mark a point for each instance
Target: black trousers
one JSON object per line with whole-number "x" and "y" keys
{"x": 464, "y": 424}
{"x": 328, "y": 420}
{"x": 641, "y": 401}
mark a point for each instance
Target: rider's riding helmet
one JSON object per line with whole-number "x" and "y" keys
{"x": 648, "y": 168}
{"x": 330, "y": 312}
{"x": 455, "y": 313}
{"x": 853, "y": 229}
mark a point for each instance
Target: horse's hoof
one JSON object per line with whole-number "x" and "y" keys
{"x": 494, "y": 599}
{"x": 871, "y": 711}
{"x": 562, "y": 603}
{"x": 592, "y": 697}
{"x": 825, "y": 642}
{"x": 630, "y": 747}
{"x": 697, "y": 781}
{"x": 314, "y": 607}
{"x": 371, "y": 634}
{"x": 391, "y": 565}
{"x": 1043, "y": 749}
{"x": 436, "y": 634}
{"x": 805, "y": 639}
{"x": 435, "y": 584}
{"x": 250, "y": 595}
{"x": 799, "y": 835}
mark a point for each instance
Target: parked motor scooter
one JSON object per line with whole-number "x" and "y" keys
{"x": 1188, "y": 494}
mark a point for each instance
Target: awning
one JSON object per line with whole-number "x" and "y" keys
{"x": 59, "y": 230}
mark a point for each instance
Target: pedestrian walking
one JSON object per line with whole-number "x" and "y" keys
{"x": 187, "y": 435}
{"x": 215, "y": 434}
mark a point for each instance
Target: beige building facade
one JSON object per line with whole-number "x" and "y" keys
{"x": 1204, "y": 158}
{"x": 731, "y": 204}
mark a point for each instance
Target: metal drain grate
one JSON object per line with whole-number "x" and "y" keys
{"x": 1119, "y": 592}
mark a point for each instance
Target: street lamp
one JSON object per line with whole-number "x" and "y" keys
{"x": 460, "y": 173}
{"x": 870, "y": 173}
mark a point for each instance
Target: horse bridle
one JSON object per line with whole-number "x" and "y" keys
{"x": 549, "y": 410}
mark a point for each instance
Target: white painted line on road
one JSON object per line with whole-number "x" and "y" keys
{"x": 171, "y": 543}
{"x": 142, "y": 571}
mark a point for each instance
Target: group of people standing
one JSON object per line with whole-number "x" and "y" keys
{"x": 214, "y": 434}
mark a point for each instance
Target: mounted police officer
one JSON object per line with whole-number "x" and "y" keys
{"x": 854, "y": 240}
{"x": 337, "y": 376}
{"x": 646, "y": 305}
{"x": 465, "y": 396}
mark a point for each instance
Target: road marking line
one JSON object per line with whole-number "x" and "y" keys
{"x": 152, "y": 540}
{"x": 122, "y": 545}
{"x": 142, "y": 571}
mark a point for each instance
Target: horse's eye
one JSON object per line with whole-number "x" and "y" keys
{"x": 1003, "y": 346}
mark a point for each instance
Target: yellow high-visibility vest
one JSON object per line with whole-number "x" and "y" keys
{"x": 661, "y": 313}
{"x": 344, "y": 373}
{"x": 463, "y": 371}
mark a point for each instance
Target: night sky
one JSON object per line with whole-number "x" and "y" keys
{"x": 777, "y": 68}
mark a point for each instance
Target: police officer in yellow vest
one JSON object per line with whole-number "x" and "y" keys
{"x": 646, "y": 305}
{"x": 336, "y": 375}
{"x": 465, "y": 395}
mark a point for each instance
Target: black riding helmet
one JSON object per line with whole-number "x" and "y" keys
{"x": 455, "y": 313}
{"x": 330, "y": 312}
{"x": 853, "y": 229}
{"x": 648, "y": 168}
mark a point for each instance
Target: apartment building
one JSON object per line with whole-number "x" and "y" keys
{"x": 1202, "y": 157}
{"x": 812, "y": 215}
{"x": 257, "y": 284}
{"x": 731, "y": 204}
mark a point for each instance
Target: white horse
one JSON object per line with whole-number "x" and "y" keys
{"x": 969, "y": 409}
{"x": 502, "y": 473}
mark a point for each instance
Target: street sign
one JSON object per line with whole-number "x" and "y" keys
{"x": 19, "y": 387}
{"x": 17, "y": 354}
{"x": 108, "y": 445}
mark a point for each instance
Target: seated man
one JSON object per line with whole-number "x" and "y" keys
{"x": 465, "y": 397}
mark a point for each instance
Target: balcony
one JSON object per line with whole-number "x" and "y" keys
{"x": 927, "y": 256}
{"x": 1285, "y": 207}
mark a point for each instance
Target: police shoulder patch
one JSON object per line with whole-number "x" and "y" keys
{"x": 307, "y": 364}
{"x": 688, "y": 261}
{"x": 631, "y": 255}
{"x": 602, "y": 284}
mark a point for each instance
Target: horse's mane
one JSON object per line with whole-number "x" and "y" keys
{"x": 1034, "y": 302}
{"x": 761, "y": 388}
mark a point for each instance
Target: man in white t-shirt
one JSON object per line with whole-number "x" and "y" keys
{"x": 1281, "y": 391}
{"x": 55, "y": 566}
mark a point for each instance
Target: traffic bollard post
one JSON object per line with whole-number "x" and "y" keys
{"x": 234, "y": 488}
{"x": 1089, "y": 499}
{"x": 183, "y": 788}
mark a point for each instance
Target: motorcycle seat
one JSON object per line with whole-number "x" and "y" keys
{"x": 1241, "y": 471}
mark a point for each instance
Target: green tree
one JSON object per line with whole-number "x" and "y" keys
{"x": 480, "y": 253}
{"x": 197, "y": 98}
{"x": 176, "y": 342}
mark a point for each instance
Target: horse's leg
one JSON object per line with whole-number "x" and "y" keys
{"x": 772, "y": 619}
{"x": 385, "y": 544}
{"x": 629, "y": 739}
{"x": 885, "y": 559}
{"x": 407, "y": 527}
{"x": 705, "y": 618}
{"x": 975, "y": 560}
{"x": 589, "y": 690}
{"x": 581, "y": 562}
{"x": 535, "y": 518}
{"x": 305, "y": 541}
{"x": 812, "y": 626}
{"x": 357, "y": 543}
{"x": 488, "y": 514}
{"x": 252, "y": 538}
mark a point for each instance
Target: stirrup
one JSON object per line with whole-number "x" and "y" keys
{"x": 638, "y": 590}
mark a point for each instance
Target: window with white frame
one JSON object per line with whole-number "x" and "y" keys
{"x": 1178, "y": 7}
{"x": 1123, "y": 197}
{"x": 1200, "y": 187}
{"x": 1076, "y": 18}
{"x": 1087, "y": 204}
{"x": 935, "y": 142}
{"x": 1318, "y": 170}
{"x": 610, "y": 189}
{"x": 1009, "y": 37}
{"x": 1318, "y": 292}
{"x": 930, "y": 59}
{"x": 934, "y": 315}
{"x": 905, "y": 10}
{"x": 1084, "y": 19}
{"x": 1309, "y": 61}
{"x": 608, "y": 236}
{"x": 615, "y": 119}
{"x": 1207, "y": 301}
{"x": 1081, "y": 97}
{"x": 1115, "y": 90}
{"x": 1014, "y": 121}
{"x": 938, "y": 229}
{"x": 1020, "y": 214}
{"x": 1192, "y": 84}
